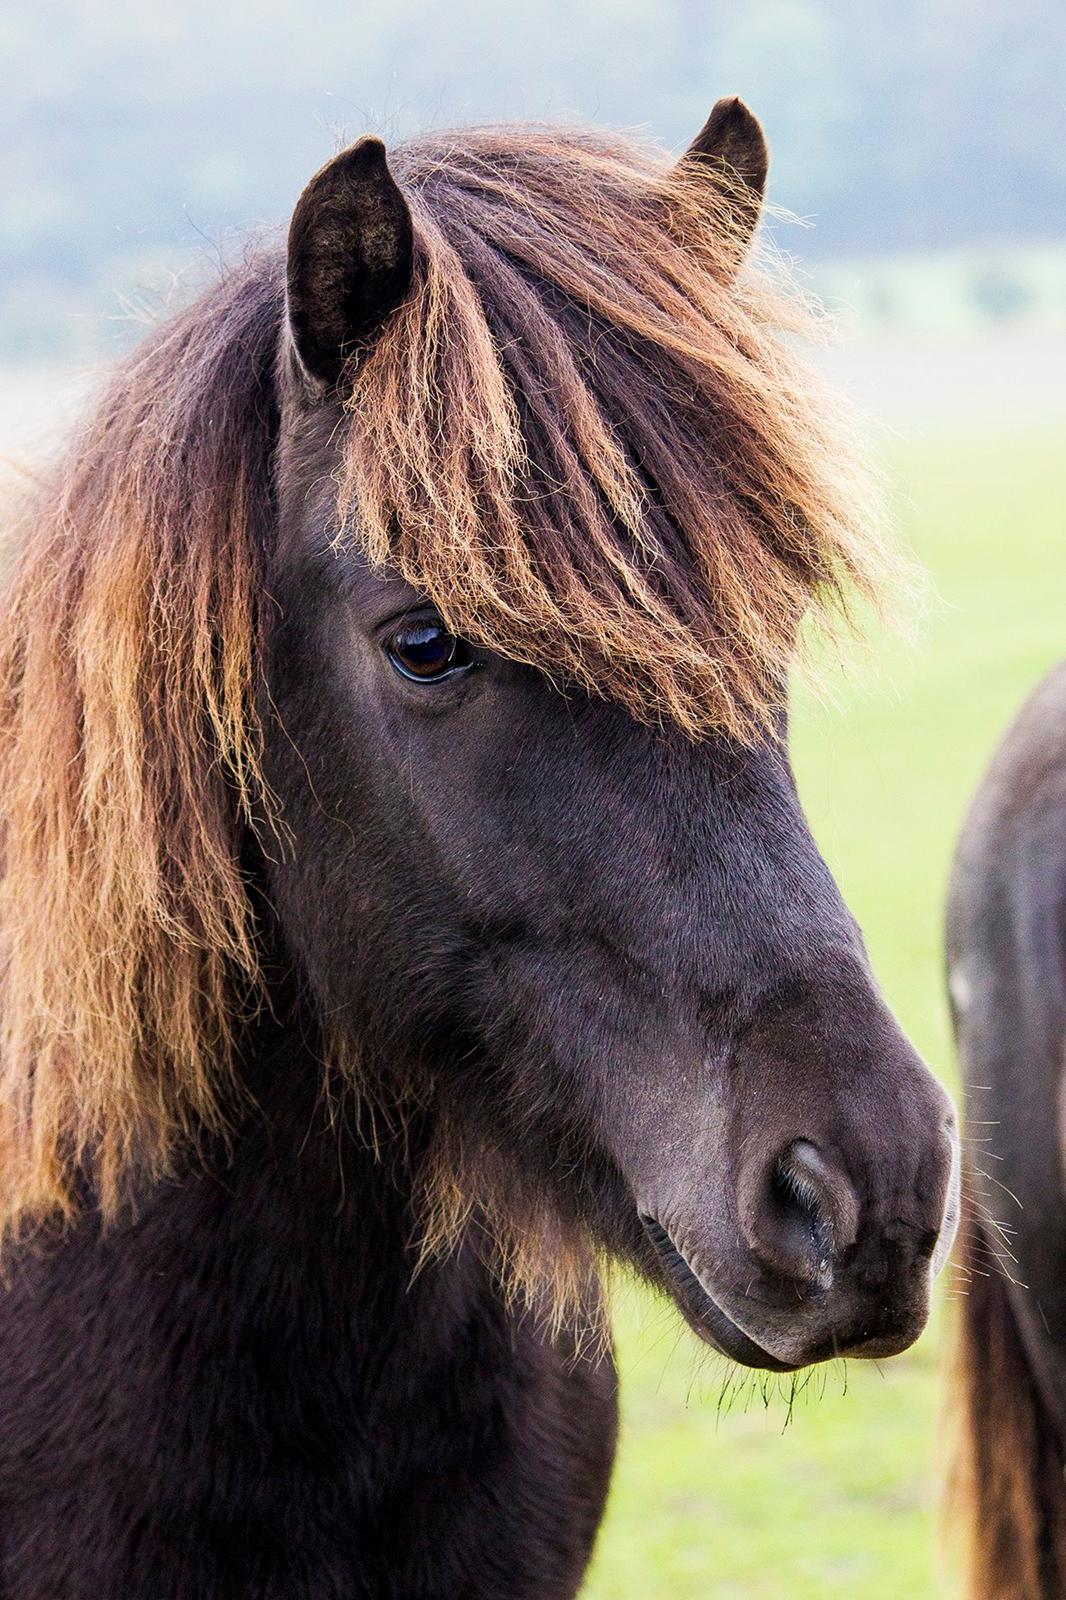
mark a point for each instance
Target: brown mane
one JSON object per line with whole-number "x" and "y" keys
{"x": 580, "y": 436}
{"x": 583, "y": 437}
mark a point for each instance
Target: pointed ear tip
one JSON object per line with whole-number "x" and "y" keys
{"x": 733, "y": 112}
{"x": 734, "y": 133}
{"x": 369, "y": 148}
{"x": 368, "y": 154}
{"x": 355, "y": 161}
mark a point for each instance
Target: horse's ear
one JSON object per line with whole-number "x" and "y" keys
{"x": 732, "y": 142}
{"x": 350, "y": 257}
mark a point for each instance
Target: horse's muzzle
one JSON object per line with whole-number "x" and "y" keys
{"x": 813, "y": 1224}
{"x": 812, "y": 1292}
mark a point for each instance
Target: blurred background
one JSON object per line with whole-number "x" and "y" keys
{"x": 921, "y": 146}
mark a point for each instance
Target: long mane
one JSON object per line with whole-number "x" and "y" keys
{"x": 581, "y": 436}
{"x": 129, "y": 762}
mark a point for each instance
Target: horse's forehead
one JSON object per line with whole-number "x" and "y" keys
{"x": 307, "y": 456}
{"x": 310, "y": 558}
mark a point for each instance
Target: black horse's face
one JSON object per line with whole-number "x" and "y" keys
{"x": 614, "y": 954}
{"x": 607, "y": 957}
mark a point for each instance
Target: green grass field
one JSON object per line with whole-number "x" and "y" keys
{"x": 837, "y": 1495}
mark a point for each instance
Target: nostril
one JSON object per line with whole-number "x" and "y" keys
{"x": 806, "y": 1217}
{"x": 801, "y": 1207}
{"x": 802, "y": 1217}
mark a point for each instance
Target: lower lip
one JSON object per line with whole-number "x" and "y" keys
{"x": 703, "y": 1312}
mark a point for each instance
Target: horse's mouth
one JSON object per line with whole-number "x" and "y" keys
{"x": 701, "y": 1310}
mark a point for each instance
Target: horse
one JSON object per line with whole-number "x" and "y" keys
{"x": 1006, "y": 980}
{"x": 407, "y": 910}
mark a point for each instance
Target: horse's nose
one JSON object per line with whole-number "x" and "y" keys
{"x": 799, "y": 1213}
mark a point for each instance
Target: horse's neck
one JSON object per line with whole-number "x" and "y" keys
{"x": 249, "y": 1354}
{"x": 303, "y": 1162}
{"x": 291, "y": 1241}
{"x": 267, "y": 1401}
{"x": 302, "y": 1175}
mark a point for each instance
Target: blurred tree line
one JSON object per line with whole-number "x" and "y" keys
{"x": 133, "y": 132}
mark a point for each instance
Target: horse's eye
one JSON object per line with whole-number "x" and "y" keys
{"x": 426, "y": 652}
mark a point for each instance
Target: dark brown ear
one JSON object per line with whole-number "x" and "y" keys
{"x": 732, "y": 140}
{"x": 349, "y": 258}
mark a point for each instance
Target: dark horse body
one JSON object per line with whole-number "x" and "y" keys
{"x": 1007, "y": 969}
{"x": 519, "y": 978}
{"x": 245, "y": 1395}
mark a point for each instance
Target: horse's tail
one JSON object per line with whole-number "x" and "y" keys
{"x": 1008, "y": 1493}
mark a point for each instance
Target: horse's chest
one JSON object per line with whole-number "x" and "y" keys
{"x": 198, "y": 1411}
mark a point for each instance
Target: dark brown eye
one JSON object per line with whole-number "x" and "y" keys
{"x": 425, "y": 652}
